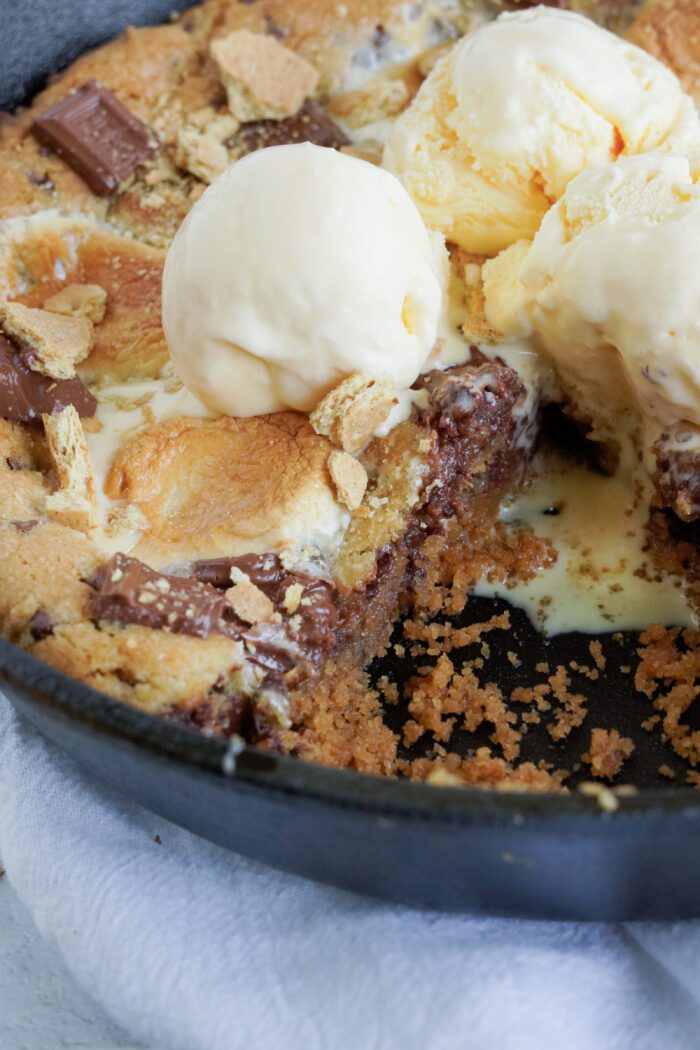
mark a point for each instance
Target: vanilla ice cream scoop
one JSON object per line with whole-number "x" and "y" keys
{"x": 297, "y": 267}
{"x": 610, "y": 288}
{"x": 516, "y": 110}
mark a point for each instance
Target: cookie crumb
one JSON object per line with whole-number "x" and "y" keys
{"x": 607, "y": 753}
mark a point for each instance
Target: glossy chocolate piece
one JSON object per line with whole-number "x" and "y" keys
{"x": 472, "y": 411}
{"x": 127, "y": 591}
{"x": 97, "y": 136}
{"x": 310, "y": 124}
{"x": 311, "y": 626}
{"x": 25, "y": 395}
{"x": 264, "y": 570}
{"x": 41, "y": 625}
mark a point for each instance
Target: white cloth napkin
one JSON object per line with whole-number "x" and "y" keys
{"x": 188, "y": 946}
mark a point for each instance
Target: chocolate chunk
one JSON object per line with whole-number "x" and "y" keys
{"x": 96, "y": 135}
{"x": 127, "y": 591}
{"x": 42, "y": 182}
{"x": 273, "y": 29}
{"x": 25, "y": 526}
{"x": 25, "y": 395}
{"x": 473, "y": 411}
{"x": 310, "y": 124}
{"x": 469, "y": 401}
{"x": 264, "y": 570}
{"x": 227, "y": 716}
{"x": 41, "y": 625}
{"x": 311, "y": 629}
{"x": 677, "y": 474}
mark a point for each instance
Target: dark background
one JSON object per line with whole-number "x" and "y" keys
{"x": 41, "y": 36}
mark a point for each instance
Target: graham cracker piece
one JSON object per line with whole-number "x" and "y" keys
{"x": 201, "y": 144}
{"x": 249, "y": 603}
{"x": 350, "y": 413}
{"x": 54, "y": 342}
{"x": 129, "y": 518}
{"x": 292, "y": 597}
{"x": 75, "y": 502}
{"x": 201, "y": 154}
{"x": 349, "y": 478}
{"x": 263, "y": 79}
{"x": 79, "y": 300}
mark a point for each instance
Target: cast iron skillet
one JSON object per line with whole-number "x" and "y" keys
{"x": 532, "y": 855}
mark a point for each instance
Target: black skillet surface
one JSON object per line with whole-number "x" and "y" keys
{"x": 538, "y": 855}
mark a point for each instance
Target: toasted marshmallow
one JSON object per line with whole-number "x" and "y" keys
{"x": 229, "y": 487}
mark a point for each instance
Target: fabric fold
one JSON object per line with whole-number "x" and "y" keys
{"x": 189, "y": 946}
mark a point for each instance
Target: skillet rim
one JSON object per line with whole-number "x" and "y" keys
{"x": 253, "y": 767}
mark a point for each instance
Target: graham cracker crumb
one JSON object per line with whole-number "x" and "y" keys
{"x": 350, "y": 413}
{"x": 54, "y": 343}
{"x": 264, "y": 80}
{"x": 292, "y": 597}
{"x": 75, "y": 502}
{"x": 349, "y": 478}
{"x": 249, "y": 603}
{"x": 79, "y": 300}
{"x": 129, "y": 517}
{"x": 201, "y": 144}
{"x": 201, "y": 155}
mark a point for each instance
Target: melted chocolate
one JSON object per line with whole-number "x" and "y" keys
{"x": 25, "y": 395}
{"x": 127, "y": 591}
{"x": 41, "y": 625}
{"x": 313, "y": 620}
{"x": 264, "y": 570}
{"x": 310, "y": 124}
{"x": 677, "y": 476}
{"x": 471, "y": 408}
{"x": 96, "y": 135}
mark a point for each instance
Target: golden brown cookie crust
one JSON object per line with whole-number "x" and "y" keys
{"x": 193, "y": 478}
